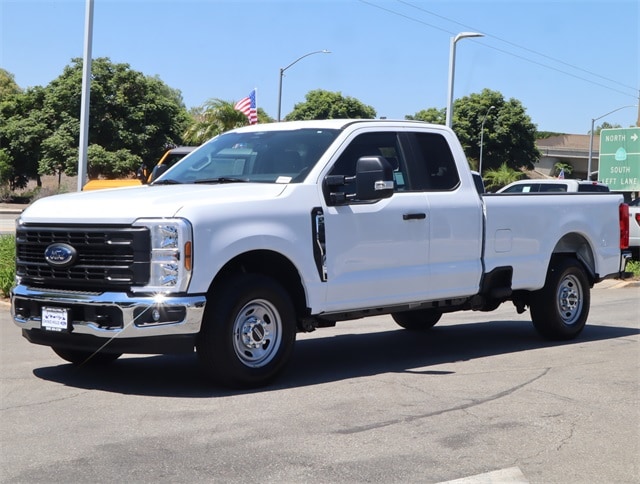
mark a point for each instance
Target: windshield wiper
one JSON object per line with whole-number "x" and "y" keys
{"x": 168, "y": 181}
{"x": 222, "y": 179}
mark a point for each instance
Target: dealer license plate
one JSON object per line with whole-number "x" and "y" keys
{"x": 55, "y": 319}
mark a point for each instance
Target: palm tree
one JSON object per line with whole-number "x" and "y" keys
{"x": 560, "y": 167}
{"x": 215, "y": 117}
{"x": 496, "y": 179}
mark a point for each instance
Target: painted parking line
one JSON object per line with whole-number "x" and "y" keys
{"x": 511, "y": 475}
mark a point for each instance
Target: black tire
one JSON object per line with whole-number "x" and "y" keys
{"x": 417, "y": 320}
{"x": 248, "y": 332}
{"x": 86, "y": 358}
{"x": 559, "y": 310}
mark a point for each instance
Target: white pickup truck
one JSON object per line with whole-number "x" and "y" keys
{"x": 269, "y": 230}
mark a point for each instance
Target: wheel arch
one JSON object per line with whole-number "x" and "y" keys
{"x": 578, "y": 246}
{"x": 268, "y": 263}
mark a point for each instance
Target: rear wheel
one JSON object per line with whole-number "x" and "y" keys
{"x": 559, "y": 310}
{"x": 417, "y": 320}
{"x": 248, "y": 332}
{"x": 78, "y": 357}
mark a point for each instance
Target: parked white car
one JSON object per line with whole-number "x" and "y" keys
{"x": 554, "y": 185}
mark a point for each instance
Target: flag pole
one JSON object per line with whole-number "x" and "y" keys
{"x": 255, "y": 90}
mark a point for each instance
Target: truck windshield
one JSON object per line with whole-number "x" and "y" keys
{"x": 266, "y": 156}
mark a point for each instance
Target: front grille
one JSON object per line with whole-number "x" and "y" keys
{"x": 108, "y": 258}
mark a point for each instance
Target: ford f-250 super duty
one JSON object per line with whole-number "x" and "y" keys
{"x": 273, "y": 229}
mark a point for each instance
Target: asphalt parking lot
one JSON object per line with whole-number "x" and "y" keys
{"x": 479, "y": 398}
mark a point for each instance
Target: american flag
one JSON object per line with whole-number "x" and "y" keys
{"x": 561, "y": 174}
{"x": 247, "y": 106}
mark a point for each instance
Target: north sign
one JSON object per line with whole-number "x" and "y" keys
{"x": 619, "y": 164}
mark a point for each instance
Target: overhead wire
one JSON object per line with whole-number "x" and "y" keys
{"x": 513, "y": 44}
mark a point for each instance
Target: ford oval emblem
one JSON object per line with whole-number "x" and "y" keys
{"x": 60, "y": 255}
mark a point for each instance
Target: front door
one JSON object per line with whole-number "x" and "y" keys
{"x": 377, "y": 253}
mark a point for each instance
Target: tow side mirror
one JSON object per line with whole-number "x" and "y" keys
{"x": 158, "y": 171}
{"x": 374, "y": 178}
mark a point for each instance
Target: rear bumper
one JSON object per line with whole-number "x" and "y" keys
{"x": 626, "y": 257}
{"x": 133, "y": 322}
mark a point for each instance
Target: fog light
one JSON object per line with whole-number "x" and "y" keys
{"x": 147, "y": 316}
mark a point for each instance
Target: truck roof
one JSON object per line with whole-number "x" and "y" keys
{"x": 554, "y": 185}
{"x": 182, "y": 150}
{"x": 329, "y": 124}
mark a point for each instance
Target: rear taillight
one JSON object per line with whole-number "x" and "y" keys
{"x": 624, "y": 226}
{"x": 638, "y": 218}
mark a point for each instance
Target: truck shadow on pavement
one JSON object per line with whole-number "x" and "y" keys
{"x": 326, "y": 359}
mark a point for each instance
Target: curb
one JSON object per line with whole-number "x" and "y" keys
{"x": 12, "y": 208}
{"x": 621, "y": 284}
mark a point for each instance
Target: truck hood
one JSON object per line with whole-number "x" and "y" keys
{"x": 124, "y": 205}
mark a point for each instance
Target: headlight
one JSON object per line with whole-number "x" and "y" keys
{"x": 171, "y": 252}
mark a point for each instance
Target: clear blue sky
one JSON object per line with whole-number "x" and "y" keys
{"x": 567, "y": 61}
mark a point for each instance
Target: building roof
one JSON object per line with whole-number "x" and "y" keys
{"x": 568, "y": 146}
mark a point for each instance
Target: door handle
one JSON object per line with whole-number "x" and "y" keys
{"x": 414, "y": 216}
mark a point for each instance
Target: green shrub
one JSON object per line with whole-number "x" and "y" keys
{"x": 7, "y": 263}
{"x": 634, "y": 267}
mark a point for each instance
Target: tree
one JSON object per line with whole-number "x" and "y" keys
{"x": 604, "y": 125}
{"x": 559, "y": 167}
{"x": 214, "y": 117}
{"x": 39, "y": 128}
{"x": 111, "y": 164}
{"x": 509, "y": 134}
{"x": 547, "y": 134}
{"x": 321, "y": 104}
{"x": 8, "y": 86}
{"x": 497, "y": 178}
{"x": 128, "y": 111}
{"x": 24, "y": 124}
{"x": 5, "y": 168}
{"x": 431, "y": 115}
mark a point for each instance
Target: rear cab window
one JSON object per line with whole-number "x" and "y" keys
{"x": 592, "y": 187}
{"x": 432, "y": 166}
{"x": 553, "y": 187}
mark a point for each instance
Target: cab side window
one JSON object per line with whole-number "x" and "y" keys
{"x": 551, "y": 187}
{"x": 385, "y": 144}
{"x": 521, "y": 189}
{"x": 433, "y": 167}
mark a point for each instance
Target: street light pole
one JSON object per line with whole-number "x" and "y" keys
{"x": 593, "y": 121}
{"x": 84, "y": 96}
{"x": 452, "y": 62}
{"x": 282, "y": 69}
{"x": 482, "y": 137}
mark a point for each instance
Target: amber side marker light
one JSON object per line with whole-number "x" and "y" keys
{"x": 188, "y": 255}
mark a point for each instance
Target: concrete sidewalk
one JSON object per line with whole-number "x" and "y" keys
{"x": 9, "y": 208}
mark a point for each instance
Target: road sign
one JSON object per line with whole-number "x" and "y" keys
{"x": 619, "y": 164}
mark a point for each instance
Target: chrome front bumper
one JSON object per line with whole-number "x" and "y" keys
{"x": 111, "y": 314}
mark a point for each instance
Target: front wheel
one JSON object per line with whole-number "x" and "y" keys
{"x": 248, "y": 332}
{"x": 559, "y": 310}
